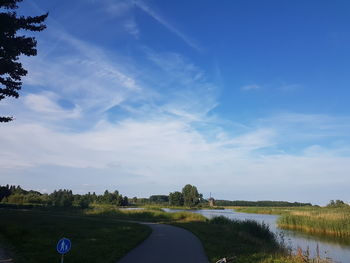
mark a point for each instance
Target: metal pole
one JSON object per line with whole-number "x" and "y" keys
{"x": 62, "y": 258}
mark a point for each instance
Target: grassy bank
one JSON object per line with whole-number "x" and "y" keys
{"x": 32, "y": 236}
{"x": 246, "y": 241}
{"x": 315, "y": 220}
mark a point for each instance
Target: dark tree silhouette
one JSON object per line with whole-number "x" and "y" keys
{"x": 13, "y": 45}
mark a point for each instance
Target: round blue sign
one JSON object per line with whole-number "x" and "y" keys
{"x": 63, "y": 246}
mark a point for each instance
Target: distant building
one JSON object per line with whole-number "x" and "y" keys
{"x": 211, "y": 201}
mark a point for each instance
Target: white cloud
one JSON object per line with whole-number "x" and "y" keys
{"x": 170, "y": 152}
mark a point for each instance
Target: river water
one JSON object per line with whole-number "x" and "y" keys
{"x": 336, "y": 249}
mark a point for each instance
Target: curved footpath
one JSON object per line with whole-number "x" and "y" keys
{"x": 167, "y": 244}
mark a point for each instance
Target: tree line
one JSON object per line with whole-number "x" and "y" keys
{"x": 187, "y": 197}
{"x": 11, "y": 194}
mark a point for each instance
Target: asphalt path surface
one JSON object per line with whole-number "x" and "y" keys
{"x": 168, "y": 244}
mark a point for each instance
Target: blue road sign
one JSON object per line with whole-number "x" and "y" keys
{"x": 63, "y": 246}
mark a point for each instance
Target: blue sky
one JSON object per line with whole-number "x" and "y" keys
{"x": 244, "y": 99}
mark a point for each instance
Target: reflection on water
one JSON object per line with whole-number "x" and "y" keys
{"x": 335, "y": 248}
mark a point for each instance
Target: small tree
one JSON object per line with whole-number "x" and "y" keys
{"x": 12, "y": 46}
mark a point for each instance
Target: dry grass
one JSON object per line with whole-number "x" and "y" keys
{"x": 149, "y": 215}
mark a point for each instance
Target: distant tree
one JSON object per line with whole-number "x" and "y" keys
{"x": 62, "y": 198}
{"x": 176, "y": 199}
{"x": 82, "y": 201}
{"x": 4, "y": 192}
{"x": 125, "y": 201}
{"x": 12, "y": 46}
{"x": 159, "y": 199}
{"x": 143, "y": 201}
{"x": 190, "y": 195}
{"x": 33, "y": 198}
{"x": 93, "y": 197}
{"x": 16, "y": 199}
{"x": 337, "y": 203}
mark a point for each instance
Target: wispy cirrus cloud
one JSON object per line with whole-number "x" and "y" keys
{"x": 159, "y": 18}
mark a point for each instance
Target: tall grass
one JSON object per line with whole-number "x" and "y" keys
{"x": 272, "y": 210}
{"x": 327, "y": 221}
{"x": 319, "y": 220}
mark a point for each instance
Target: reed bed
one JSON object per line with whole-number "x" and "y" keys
{"x": 333, "y": 221}
{"x": 327, "y": 221}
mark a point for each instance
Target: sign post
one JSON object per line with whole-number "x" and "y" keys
{"x": 63, "y": 246}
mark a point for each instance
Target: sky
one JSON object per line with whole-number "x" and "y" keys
{"x": 247, "y": 100}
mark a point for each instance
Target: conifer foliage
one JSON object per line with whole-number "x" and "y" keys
{"x": 12, "y": 45}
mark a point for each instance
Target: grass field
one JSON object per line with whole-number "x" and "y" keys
{"x": 32, "y": 236}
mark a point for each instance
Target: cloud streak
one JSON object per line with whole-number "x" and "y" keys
{"x": 151, "y": 12}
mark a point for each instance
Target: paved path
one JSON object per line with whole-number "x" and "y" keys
{"x": 168, "y": 244}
